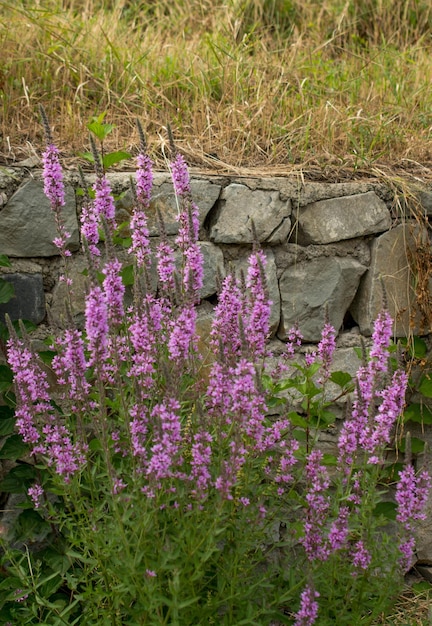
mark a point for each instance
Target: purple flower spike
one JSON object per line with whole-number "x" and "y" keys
{"x": 53, "y": 177}
{"x": 180, "y": 175}
{"x": 114, "y": 291}
{"x": 258, "y": 324}
{"x": 139, "y": 229}
{"x": 412, "y": 493}
{"x": 97, "y": 327}
{"x": 326, "y": 348}
{"x": 308, "y": 612}
{"x": 55, "y": 191}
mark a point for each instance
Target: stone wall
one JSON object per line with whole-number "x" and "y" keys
{"x": 330, "y": 247}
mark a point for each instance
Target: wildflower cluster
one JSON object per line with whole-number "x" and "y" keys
{"x": 173, "y": 475}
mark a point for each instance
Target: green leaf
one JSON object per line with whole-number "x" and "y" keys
{"x": 95, "y": 445}
{"x": 275, "y": 401}
{"x": 14, "y": 448}
{"x": 421, "y": 586}
{"x": 46, "y": 356}
{"x": 416, "y": 346}
{"x": 115, "y": 157}
{"x": 417, "y": 445}
{"x": 6, "y": 291}
{"x": 341, "y": 378}
{"x": 6, "y": 375}
{"x": 57, "y": 561}
{"x": 329, "y": 460}
{"x": 297, "y": 420}
{"x": 425, "y": 386}
{"x": 128, "y": 275}
{"x": 18, "y": 479}
{"x": 88, "y": 157}
{"x": 29, "y": 524}
{"x": 267, "y": 381}
{"x": 386, "y": 509}
{"x": 419, "y": 413}
{"x": 4, "y": 261}
{"x": 101, "y": 131}
{"x": 7, "y": 426}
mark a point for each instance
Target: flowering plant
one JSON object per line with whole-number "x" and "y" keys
{"x": 166, "y": 491}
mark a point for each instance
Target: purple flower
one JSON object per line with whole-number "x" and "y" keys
{"x": 114, "y": 291}
{"x": 294, "y": 339}
{"x": 193, "y": 272}
{"x": 200, "y": 464}
{"x": 165, "y": 451}
{"x": 37, "y": 421}
{"x": 55, "y": 191}
{"x": 375, "y": 436}
{"x": 90, "y": 227}
{"x": 338, "y": 534}
{"x": 225, "y": 333}
{"x": 248, "y": 405}
{"x": 308, "y": 612}
{"x": 104, "y": 202}
{"x": 97, "y": 329}
{"x": 36, "y": 493}
{"x": 70, "y": 366}
{"x": 258, "y": 322}
{"x": 138, "y": 429}
{"x": 53, "y": 177}
{"x": 326, "y": 348}
{"x": 412, "y": 494}
{"x": 180, "y": 176}
{"x": 139, "y": 230}
{"x": 381, "y": 337}
{"x": 145, "y": 328}
{"x": 166, "y": 266}
{"x": 182, "y": 337}
{"x": 228, "y": 476}
{"x": 361, "y": 557}
{"x": 318, "y": 504}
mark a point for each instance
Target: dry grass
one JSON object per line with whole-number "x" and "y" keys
{"x": 279, "y": 84}
{"x": 411, "y": 609}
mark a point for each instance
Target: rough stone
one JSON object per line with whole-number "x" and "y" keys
{"x": 239, "y": 206}
{"x": 28, "y": 302}
{"x": 309, "y": 289}
{"x": 213, "y": 263}
{"x": 425, "y": 199}
{"x": 27, "y": 224}
{"x": 204, "y": 194}
{"x": 272, "y": 285}
{"x": 302, "y": 192}
{"x": 391, "y": 258}
{"x": 337, "y": 219}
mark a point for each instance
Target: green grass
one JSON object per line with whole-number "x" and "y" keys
{"x": 263, "y": 84}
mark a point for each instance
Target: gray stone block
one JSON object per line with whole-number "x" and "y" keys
{"x": 28, "y": 302}
{"x": 308, "y": 289}
{"x": 27, "y": 224}
{"x": 391, "y": 260}
{"x": 239, "y": 206}
{"x": 337, "y": 219}
{"x": 204, "y": 194}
